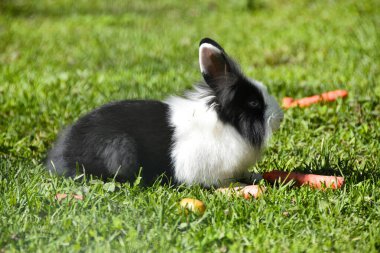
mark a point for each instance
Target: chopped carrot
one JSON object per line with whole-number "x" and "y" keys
{"x": 313, "y": 180}
{"x": 61, "y": 196}
{"x": 252, "y": 191}
{"x": 246, "y": 192}
{"x": 287, "y": 102}
{"x": 330, "y": 96}
{"x": 194, "y": 205}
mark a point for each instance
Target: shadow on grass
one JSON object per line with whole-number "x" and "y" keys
{"x": 347, "y": 168}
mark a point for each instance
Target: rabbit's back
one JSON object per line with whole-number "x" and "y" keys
{"x": 120, "y": 137}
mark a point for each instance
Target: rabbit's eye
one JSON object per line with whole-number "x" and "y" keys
{"x": 254, "y": 104}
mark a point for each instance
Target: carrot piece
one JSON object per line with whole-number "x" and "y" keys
{"x": 61, "y": 196}
{"x": 333, "y": 95}
{"x": 304, "y": 102}
{"x": 254, "y": 191}
{"x": 194, "y": 205}
{"x": 330, "y": 96}
{"x": 287, "y": 102}
{"x": 246, "y": 192}
{"x": 313, "y": 180}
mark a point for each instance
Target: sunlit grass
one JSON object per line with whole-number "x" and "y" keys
{"x": 60, "y": 59}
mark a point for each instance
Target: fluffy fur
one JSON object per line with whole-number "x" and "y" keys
{"x": 121, "y": 138}
{"x": 205, "y": 149}
{"x": 209, "y": 137}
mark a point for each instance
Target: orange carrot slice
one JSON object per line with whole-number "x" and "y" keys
{"x": 194, "y": 205}
{"x": 312, "y": 180}
{"x": 246, "y": 192}
{"x": 254, "y": 191}
{"x": 61, "y": 196}
{"x": 330, "y": 96}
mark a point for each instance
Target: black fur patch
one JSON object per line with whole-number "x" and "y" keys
{"x": 212, "y": 42}
{"x": 239, "y": 103}
{"x": 237, "y": 100}
{"x": 130, "y": 134}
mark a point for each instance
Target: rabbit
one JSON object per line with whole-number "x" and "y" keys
{"x": 209, "y": 137}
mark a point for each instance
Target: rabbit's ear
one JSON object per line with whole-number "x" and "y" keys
{"x": 213, "y": 61}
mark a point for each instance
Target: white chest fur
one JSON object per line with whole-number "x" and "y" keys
{"x": 205, "y": 150}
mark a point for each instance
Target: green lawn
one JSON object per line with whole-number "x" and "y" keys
{"x": 60, "y": 59}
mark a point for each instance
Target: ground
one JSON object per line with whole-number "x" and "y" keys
{"x": 60, "y": 59}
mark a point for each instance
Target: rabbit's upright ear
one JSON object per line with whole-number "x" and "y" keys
{"x": 213, "y": 61}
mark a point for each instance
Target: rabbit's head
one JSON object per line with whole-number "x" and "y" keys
{"x": 238, "y": 100}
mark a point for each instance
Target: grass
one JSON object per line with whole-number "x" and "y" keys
{"x": 60, "y": 59}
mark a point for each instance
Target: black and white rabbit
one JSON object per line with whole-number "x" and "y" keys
{"x": 209, "y": 137}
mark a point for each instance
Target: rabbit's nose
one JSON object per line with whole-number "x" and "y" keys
{"x": 276, "y": 119}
